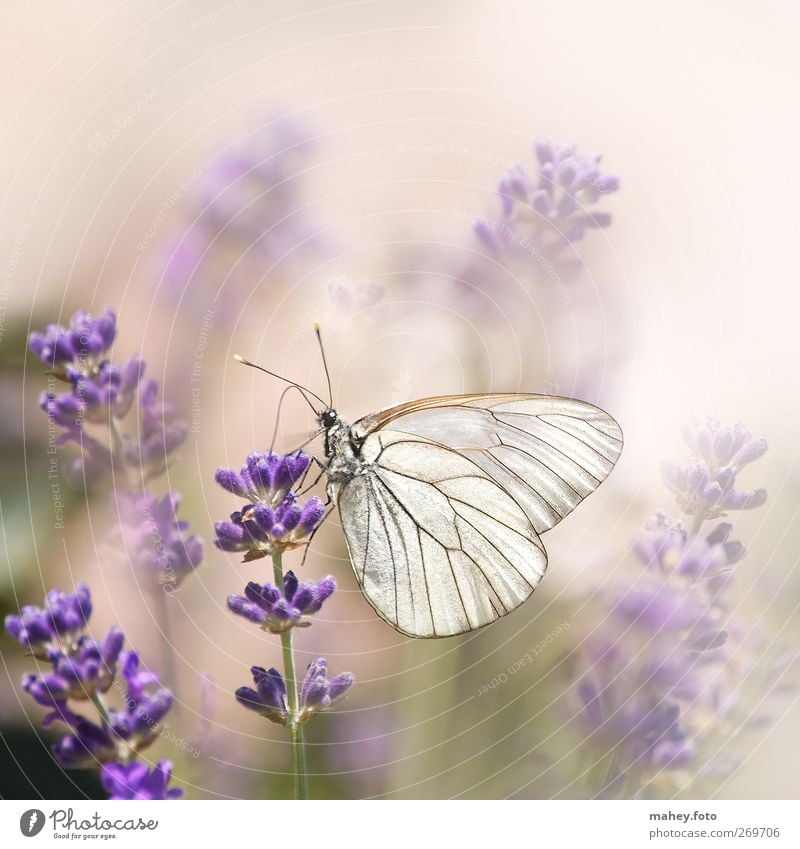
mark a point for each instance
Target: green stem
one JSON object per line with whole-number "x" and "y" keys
{"x": 97, "y": 701}
{"x": 295, "y": 726}
{"x": 697, "y": 523}
{"x": 164, "y": 623}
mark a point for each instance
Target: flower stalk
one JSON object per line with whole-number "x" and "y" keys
{"x": 295, "y": 726}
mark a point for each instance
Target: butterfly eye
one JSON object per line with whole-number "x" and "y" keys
{"x": 329, "y": 418}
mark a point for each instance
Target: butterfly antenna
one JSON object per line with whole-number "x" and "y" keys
{"x": 285, "y": 392}
{"x": 324, "y": 363}
{"x": 301, "y": 389}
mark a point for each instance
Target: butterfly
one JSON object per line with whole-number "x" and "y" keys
{"x": 443, "y": 500}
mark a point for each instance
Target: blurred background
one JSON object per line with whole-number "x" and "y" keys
{"x": 224, "y": 172}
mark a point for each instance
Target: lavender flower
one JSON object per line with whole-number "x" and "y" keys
{"x": 274, "y": 519}
{"x": 544, "y": 212}
{"x": 265, "y": 477}
{"x": 83, "y": 670}
{"x": 271, "y": 523}
{"x": 661, "y": 661}
{"x": 258, "y": 530}
{"x": 246, "y": 216}
{"x": 707, "y": 488}
{"x": 89, "y": 667}
{"x": 276, "y": 610}
{"x": 136, "y": 781}
{"x": 124, "y": 732}
{"x": 83, "y": 342}
{"x": 269, "y": 698}
{"x": 317, "y": 693}
{"x": 63, "y": 617}
{"x": 159, "y": 433}
{"x": 156, "y": 540}
{"x": 101, "y": 396}
{"x": 94, "y": 415}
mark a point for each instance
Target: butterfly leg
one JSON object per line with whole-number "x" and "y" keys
{"x": 322, "y": 469}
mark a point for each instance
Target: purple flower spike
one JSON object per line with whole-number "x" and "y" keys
{"x": 87, "y": 336}
{"x": 274, "y": 519}
{"x": 707, "y": 488}
{"x": 63, "y": 617}
{"x": 269, "y": 697}
{"x": 277, "y": 611}
{"x": 265, "y": 477}
{"x": 544, "y": 210}
{"x": 87, "y": 745}
{"x": 135, "y": 781}
{"x": 89, "y": 668}
{"x": 319, "y": 692}
{"x": 155, "y": 541}
{"x": 666, "y": 653}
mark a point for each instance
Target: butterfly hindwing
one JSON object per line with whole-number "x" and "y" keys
{"x": 436, "y": 544}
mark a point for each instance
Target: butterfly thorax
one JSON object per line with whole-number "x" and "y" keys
{"x": 343, "y": 452}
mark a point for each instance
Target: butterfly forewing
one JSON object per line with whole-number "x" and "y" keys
{"x": 548, "y": 453}
{"x": 443, "y": 519}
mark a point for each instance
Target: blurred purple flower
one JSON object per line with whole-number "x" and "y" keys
{"x": 126, "y": 731}
{"x": 88, "y": 667}
{"x": 545, "y": 211}
{"x": 155, "y": 540}
{"x": 661, "y": 660}
{"x": 247, "y": 214}
{"x": 135, "y": 781}
{"x": 80, "y": 344}
{"x": 276, "y": 610}
{"x": 159, "y": 433}
{"x": 706, "y": 488}
{"x": 102, "y": 395}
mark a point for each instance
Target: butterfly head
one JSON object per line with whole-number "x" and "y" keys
{"x": 328, "y": 418}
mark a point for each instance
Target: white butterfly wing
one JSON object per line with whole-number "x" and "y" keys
{"x": 437, "y": 546}
{"x": 443, "y": 523}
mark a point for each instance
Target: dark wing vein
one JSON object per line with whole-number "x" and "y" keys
{"x": 389, "y": 544}
{"x": 549, "y": 445}
{"x": 575, "y": 436}
{"x": 425, "y": 575}
{"x": 493, "y": 546}
{"x": 485, "y": 576}
{"x": 527, "y": 483}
